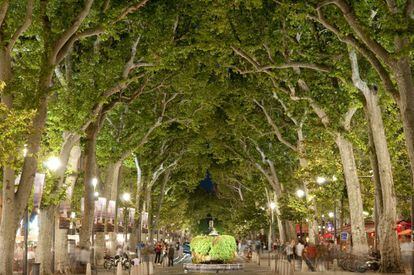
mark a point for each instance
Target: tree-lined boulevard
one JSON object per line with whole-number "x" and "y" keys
{"x": 126, "y": 122}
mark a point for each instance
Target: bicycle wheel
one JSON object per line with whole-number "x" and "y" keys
{"x": 108, "y": 265}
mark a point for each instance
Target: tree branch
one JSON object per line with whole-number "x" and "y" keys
{"x": 69, "y": 44}
{"x": 66, "y": 35}
{"x": 26, "y": 23}
{"x": 276, "y": 130}
{"x": 131, "y": 9}
{"x": 359, "y": 30}
{"x": 3, "y": 11}
{"x": 130, "y": 62}
{"x": 346, "y": 123}
{"x": 369, "y": 55}
{"x": 293, "y": 65}
{"x": 409, "y": 9}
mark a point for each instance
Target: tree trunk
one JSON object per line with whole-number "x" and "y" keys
{"x": 161, "y": 199}
{"x": 61, "y": 243}
{"x": 360, "y": 244}
{"x": 8, "y": 237}
{"x": 90, "y": 173}
{"x": 148, "y": 203}
{"x": 15, "y": 203}
{"x": 111, "y": 193}
{"x": 44, "y": 248}
{"x": 44, "y": 253}
{"x": 389, "y": 245}
{"x": 313, "y": 229}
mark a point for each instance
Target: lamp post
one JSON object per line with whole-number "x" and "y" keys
{"x": 126, "y": 198}
{"x": 53, "y": 164}
{"x": 300, "y": 194}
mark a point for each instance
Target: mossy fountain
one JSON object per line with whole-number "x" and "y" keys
{"x": 213, "y": 253}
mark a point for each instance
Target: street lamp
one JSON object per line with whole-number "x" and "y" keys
{"x": 300, "y": 193}
{"x": 94, "y": 182}
{"x": 126, "y": 198}
{"x": 320, "y": 180}
{"x": 53, "y": 164}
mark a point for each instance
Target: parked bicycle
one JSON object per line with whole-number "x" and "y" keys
{"x": 112, "y": 262}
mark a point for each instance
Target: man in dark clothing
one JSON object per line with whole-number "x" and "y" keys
{"x": 171, "y": 255}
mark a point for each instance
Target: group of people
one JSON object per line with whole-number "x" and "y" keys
{"x": 309, "y": 252}
{"x": 163, "y": 251}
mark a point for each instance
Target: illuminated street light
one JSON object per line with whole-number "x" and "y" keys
{"x": 94, "y": 182}
{"x": 331, "y": 214}
{"x": 320, "y": 180}
{"x": 272, "y": 205}
{"x": 126, "y": 197}
{"x": 96, "y": 194}
{"x": 72, "y": 215}
{"x": 300, "y": 193}
{"x": 53, "y": 163}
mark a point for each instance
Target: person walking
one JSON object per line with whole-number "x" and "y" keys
{"x": 171, "y": 251}
{"x": 158, "y": 250}
{"x": 299, "y": 252}
{"x": 289, "y": 250}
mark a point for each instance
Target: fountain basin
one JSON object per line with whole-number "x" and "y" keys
{"x": 212, "y": 268}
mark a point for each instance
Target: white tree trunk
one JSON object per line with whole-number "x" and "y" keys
{"x": 111, "y": 192}
{"x": 359, "y": 238}
{"x": 44, "y": 253}
{"x": 61, "y": 240}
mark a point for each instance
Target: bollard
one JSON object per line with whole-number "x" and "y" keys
{"x": 36, "y": 269}
{"x": 291, "y": 268}
{"x": 119, "y": 269}
{"x": 135, "y": 270}
{"x": 304, "y": 266}
{"x": 272, "y": 266}
{"x": 335, "y": 265}
{"x": 145, "y": 268}
{"x": 88, "y": 269}
{"x": 268, "y": 258}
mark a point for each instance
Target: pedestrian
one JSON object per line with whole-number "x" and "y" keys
{"x": 299, "y": 250}
{"x": 309, "y": 255}
{"x": 171, "y": 255}
{"x": 289, "y": 249}
{"x": 158, "y": 250}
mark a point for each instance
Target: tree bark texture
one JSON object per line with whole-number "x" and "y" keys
{"x": 359, "y": 238}
{"x": 44, "y": 253}
{"x": 61, "y": 243}
{"x": 45, "y": 228}
{"x": 386, "y": 200}
{"x": 161, "y": 199}
{"x": 90, "y": 173}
